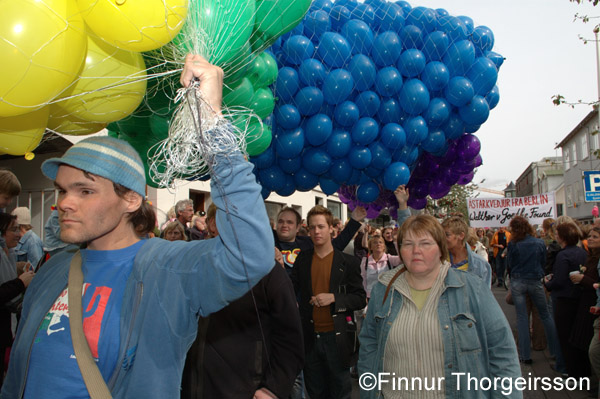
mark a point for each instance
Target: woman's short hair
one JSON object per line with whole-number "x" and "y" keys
{"x": 372, "y": 240}
{"x": 175, "y": 225}
{"x": 420, "y": 225}
{"x": 568, "y": 233}
{"x": 519, "y": 228}
{"x": 457, "y": 225}
{"x": 472, "y": 238}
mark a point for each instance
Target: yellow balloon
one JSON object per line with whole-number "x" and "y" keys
{"x": 135, "y": 25}
{"x": 110, "y": 87}
{"x": 22, "y": 133}
{"x": 60, "y": 122}
{"x": 42, "y": 47}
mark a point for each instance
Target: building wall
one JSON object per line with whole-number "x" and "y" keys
{"x": 301, "y": 201}
{"x": 577, "y": 158}
{"x": 524, "y": 184}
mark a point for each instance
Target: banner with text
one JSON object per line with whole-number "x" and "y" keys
{"x": 496, "y": 212}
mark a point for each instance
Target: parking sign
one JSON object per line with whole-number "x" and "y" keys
{"x": 591, "y": 185}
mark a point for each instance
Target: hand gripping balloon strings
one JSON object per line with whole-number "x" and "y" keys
{"x": 191, "y": 151}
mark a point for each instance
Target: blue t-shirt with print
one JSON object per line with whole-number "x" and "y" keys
{"x": 53, "y": 370}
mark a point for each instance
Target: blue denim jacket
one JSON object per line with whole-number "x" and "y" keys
{"x": 526, "y": 258}
{"x": 477, "y": 337}
{"x": 170, "y": 285}
{"x": 30, "y": 248}
{"x": 479, "y": 266}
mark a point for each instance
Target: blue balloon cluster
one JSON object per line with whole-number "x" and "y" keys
{"x": 377, "y": 94}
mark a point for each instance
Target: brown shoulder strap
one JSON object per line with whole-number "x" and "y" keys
{"x": 387, "y": 290}
{"x": 94, "y": 382}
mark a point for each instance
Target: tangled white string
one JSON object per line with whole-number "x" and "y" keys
{"x": 196, "y": 137}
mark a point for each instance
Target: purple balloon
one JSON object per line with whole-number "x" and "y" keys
{"x": 462, "y": 166}
{"x": 417, "y": 203}
{"x": 438, "y": 189}
{"x": 469, "y": 146}
{"x": 466, "y": 179}
{"x": 449, "y": 176}
{"x": 418, "y": 189}
{"x": 373, "y": 212}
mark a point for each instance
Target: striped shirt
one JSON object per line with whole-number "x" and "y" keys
{"x": 414, "y": 351}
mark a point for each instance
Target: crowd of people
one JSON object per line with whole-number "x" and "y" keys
{"x": 222, "y": 303}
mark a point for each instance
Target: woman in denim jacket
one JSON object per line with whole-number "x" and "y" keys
{"x": 434, "y": 325}
{"x": 526, "y": 260}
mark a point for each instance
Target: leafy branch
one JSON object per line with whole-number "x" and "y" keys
{"x": 559, "y": 99}
{"x": 594, "y": 2}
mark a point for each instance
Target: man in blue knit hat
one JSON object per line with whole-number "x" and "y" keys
{"x": 141, "y": 298}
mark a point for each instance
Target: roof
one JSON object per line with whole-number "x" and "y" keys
{"x": 593, "y": 113}
{"x": 554, "y": 172}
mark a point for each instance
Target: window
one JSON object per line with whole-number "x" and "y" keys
{"x": 566, "y": 159}
{"x": 585, "y": 152}
{"x": 574, "y": 153}
{"x": 569, "y": 196}
{"x": 594, "y": 138}
{"x": 579, "y": 194}
{"x": 335, "y": 208}
{"x": 559, "y": 210}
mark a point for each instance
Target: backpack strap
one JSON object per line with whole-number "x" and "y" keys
{"x": 92, "y": 378}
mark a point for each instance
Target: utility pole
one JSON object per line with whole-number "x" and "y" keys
{"x": 596, "y": 31}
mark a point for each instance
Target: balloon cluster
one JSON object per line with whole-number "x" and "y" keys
{"x": 377, "y": 94}
{"x": 66, "y": 69}
{"x": 69, "y": 71}
{"x": 233, "y": 35}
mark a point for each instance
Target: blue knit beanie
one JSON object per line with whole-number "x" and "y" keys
{"x": 108, "y": 157}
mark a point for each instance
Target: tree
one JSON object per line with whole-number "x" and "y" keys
{"x": 594, "y": 2}
{"x": 452, "y": 204}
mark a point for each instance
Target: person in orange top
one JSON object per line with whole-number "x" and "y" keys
{"x": 499, "y": 242}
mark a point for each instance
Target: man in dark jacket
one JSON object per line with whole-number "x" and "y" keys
{"x": 252, "y": 348}
{"x": 329, "y": 285}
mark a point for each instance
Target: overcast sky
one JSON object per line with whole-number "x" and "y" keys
{"x": 544, "y": 56}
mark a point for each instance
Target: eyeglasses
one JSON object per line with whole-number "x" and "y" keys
{"x": 15, "y": 229}
{"x": 424, "y": 245}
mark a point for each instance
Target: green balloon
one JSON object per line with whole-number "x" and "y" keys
{"x": 238, "y": 67}
{"x": 263, "y": 102}
{"x": 276, "y": 17}
{"x": 258, "y": 138}
{"x": 133, "y": 125}
{"x": 159, "y": 126}
{"x": 112, "y": 133}
{"x": 263, "y": 71}
{"x": 240, "y": 96}
{"x": 222, "y": 27}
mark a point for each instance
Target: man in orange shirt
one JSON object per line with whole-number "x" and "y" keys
{"x": 329, "y": 285}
